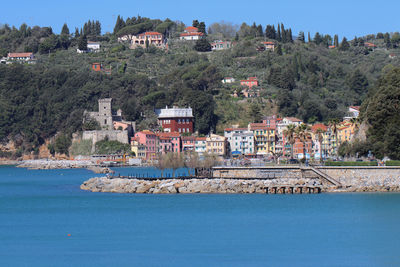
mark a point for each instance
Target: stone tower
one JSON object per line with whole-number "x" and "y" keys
{"x": 105, "y": 114}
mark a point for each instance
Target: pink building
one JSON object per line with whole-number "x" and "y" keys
{"x": 250, "y": 82}
{"x": 169, "y": 142}
{"x": 188, "y": 143}
{"x": 149, "y": 139}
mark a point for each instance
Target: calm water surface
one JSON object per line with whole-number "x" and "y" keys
{"x": 38, "y": 209}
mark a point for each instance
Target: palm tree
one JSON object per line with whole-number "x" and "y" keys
{"x": 303, "y": 132}
{"x": 333, "y": 124}
{"x": 320, "y": 135}
{"x": 289, "y": 135}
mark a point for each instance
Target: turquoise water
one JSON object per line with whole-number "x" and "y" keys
{"x": 38, "y": 209}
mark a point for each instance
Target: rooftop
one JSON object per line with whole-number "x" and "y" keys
{"x": 175, "y": 112}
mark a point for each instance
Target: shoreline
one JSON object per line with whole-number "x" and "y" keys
{"x": 223, "y": 186}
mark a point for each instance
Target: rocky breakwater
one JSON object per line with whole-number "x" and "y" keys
{"x": 190, "y": 186}
{"x": 55, "y": 164}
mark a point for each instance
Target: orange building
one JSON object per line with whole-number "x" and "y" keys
{"x": 250, "y": 82}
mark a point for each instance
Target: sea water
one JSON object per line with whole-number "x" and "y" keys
{"x": 46, "y": 220}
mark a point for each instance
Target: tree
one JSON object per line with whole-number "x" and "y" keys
{"x": 317, "y": 38}
{"x": 195, "y": 23}
{"x": 65, "y": 29}
{"x": 255, "y": 112}
{"x": 336, "y": 40}
{"x": 62, "y": 144}
{"x": 202, "y": 27}
{"x": 289, "y": 136}
{"x": 278, "y": 50}
{"x": 344, "y": 45}
{"x": 270, "y": 32}
{"x": 357, "y": 82}
{"x": 226, "y": 29}
{"x": 309, "y": 37}
{"x": 119, "y": 24}
{"x": 320, "y": 136}
{"x": 301, "y": 37}
{"x": 333, "y": 124}
{"x": 202, "y": 45}
{"x": 303, "y": 133}
{"x": 192, "y": 161}
{"x": 278, "y": 34}
{"x": 76, "y": 33}
{"x": 82, "y": 43}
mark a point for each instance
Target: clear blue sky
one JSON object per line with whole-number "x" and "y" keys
{"x": 344, "y": 17}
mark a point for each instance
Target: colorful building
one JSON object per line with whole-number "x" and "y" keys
{"x": 264, "y": 138}
{"x": 137, "y": 148}
{"x": 148, "y": 39}
{"x": 250, "y": 82}
{"x": 200, "y": 145}
{"x": 191, "y": 33}
{"x": 169, "y": 142}
{"x": 216, "y": 144}
{"x": 221, "y": 45}
{"x": 188, "y": 143}
{"x": 176, "y": 119}
{"x": 149, "y": 140}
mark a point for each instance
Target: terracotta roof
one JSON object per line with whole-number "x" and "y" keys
{"x": 191, "y": 28}
{"x": 317, "y": 126}
{"x": 173, "y": 134}
{"x": 150, "y": 33}
{"x": 355, "y": 107}
{"x": 370, "y": 44}
{"x": 268, "y": 43}
{"x": 332, "y": 46}
{"x": 201, "y": 138}
{"x": 188, "y": 138}
{"x": 293, "y": 119}
{"x": 147, "y": 132}
{"x": 233, "y": 129}
{"x": 91, "y": 42}
{"x": 192, "y": 34}
{"x": 260, "y": 126}
{"x": 19, "y": 54}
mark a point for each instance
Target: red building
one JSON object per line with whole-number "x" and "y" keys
{"x": 169, "y": 142}
{"x": 179, "y": 120}
{"x": 250, "y": 82}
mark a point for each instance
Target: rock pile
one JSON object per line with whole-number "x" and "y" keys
{"x": 173, "y": 186}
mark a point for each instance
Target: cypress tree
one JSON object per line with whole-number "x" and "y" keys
{"x": 283, "y": 32}
{"x": 119, "y": 24}
{"x": 202, "y": 27}
{"x": 336, "y": 40}
{"x": 65, "y": 29}
{"x": 76, "y": 32}
{"x": 82, "y": 43}
{"x": 278, "y": 49}
{"x": 259, "y": 31}
{"x": 289, "y": 35}
{"x": 309, "y": 37}
{"x": 273, "y": 32}
{"x": 344, "y": 45}
{"x": 317, "y": 38}
{"x": 301, "y": 37}
{"x": 278, "y": 34}
{"x": 195, "y": 23}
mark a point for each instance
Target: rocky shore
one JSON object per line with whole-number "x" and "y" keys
{"x": 188, "y": 186}
{"x": 44, "y": 164}
{"x": 220, "y": 186}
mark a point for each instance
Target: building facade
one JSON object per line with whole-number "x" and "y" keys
{"x": 216, "y": 144}
{"x": 191, "y": 33}
{"x": 176, "y": 119}
{"x": 147, "y": 39}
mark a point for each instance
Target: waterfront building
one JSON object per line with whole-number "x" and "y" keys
{"x": 216, "y": 144}
{"x": 137, "y": 148}
{"x": 264, "y": 138}
{"x": 149, "y": 140}
{"x": 241, "y": 141}
{"x": 176, "y": 119}
{"x": 188, "y": 143}
{"x": 169, "y": 142}
{"x": 200, "y": 145}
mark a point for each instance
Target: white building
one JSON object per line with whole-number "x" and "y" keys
{"x": 221, "y": 45}
{"x": 241, "y": 141}
{"x": 93, "y": 46}
{"x": 228, "y": 80}
{"x": 191, "y": 33}
{"x": 353, "y": 112}
{"x": 200, "y": 145}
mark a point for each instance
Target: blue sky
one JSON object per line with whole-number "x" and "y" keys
{"x": 344, "y": 17}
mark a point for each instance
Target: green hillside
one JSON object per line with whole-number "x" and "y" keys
{"x": 303, "y": 79}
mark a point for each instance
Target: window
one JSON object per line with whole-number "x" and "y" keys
{"x": 187, "y": 130}
{"x": 105, "y": 121}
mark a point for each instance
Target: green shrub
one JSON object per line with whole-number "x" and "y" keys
{"x": 392, "y": 163}
{"x": 351, "y": 163}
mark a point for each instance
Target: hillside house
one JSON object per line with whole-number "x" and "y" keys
{"x": 176, "y": 119}
{"x": 250, "y": 82}
{"x": 93, "y": 46}
{"x": 269, "y": 46}
{"x": 221, "y": 45}
{"x": 353, "y": 112}
{"x": 191, "y": 33}
{"x": 228, "y": 80}
{"x": 19, "y": 57}
{"x": 147, "y": 39}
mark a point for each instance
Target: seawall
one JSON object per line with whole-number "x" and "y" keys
{"x": 277, "y": 179}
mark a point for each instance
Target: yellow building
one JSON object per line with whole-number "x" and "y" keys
{"x": 264, "y": 138}
{"x": 345, "y": 131}
{"x": 138, "y": 149}
{"x": 216, "y": 144}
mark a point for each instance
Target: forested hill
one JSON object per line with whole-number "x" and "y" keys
{"x": 302, "y": 78}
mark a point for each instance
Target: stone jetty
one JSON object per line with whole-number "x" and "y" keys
{"x": 211, "y": 186}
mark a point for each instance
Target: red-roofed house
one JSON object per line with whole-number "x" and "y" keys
{"x": 370, "y": 45}
{"x": 153, "y": 38}
{"x": 191, "y": 33}
{"x": 269, "y": 45}
{"x": 169, "y": 142}
{"x": 188, "y": 143}
{"x": 250, "y": 82}
{"x": 20, "y": 56}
